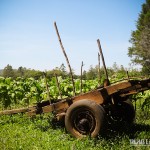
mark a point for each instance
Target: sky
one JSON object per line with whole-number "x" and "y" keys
{"x": 28, "y": 37}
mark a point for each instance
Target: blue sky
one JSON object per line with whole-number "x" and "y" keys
{"x": 28, "y": 37}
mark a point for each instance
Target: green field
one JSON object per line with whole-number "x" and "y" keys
{"x": 21, "y": 132}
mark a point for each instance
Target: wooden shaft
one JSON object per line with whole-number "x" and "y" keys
{"x": 81, "y": 77}
{"x": 14, "y": 111}
{"x": 127, "y": 75}
{"x": 101, "y": 53}
{"x": 65, "y": 56}
{"x": 99, "y": 74}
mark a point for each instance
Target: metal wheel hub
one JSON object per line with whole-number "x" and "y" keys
{"x": 83, "y": 121}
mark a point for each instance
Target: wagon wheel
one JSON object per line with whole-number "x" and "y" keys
{"x": 84, "y": 118}
{"x": 128, "y": 111}
{"x": 122, "y": 112}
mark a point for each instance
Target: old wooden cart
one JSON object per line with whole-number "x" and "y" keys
{"x": 85, "y": 114}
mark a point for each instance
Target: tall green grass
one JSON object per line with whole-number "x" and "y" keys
{"x": 18, "y": 132}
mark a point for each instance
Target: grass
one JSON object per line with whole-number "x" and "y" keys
{"x": 18, "y": 132}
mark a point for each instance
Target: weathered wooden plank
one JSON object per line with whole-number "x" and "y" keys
{"x": 94, "y": 95}
{"x": 14, "y": 111}
{"x": 47, "y": 109}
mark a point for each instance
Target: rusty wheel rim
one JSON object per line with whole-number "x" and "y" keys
{"x": 83, "y": 121}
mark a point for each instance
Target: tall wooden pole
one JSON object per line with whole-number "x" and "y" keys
{"x": 65, "y": 56}
{"x": 101, "y": 53}
{"x": 99, "y": 74}
{"x": 81, "y": 77}
{"x": 127, "y": 75}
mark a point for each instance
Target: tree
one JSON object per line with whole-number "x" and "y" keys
{"x": 8, "y": 71}
{"x": 21, "y": 71}
{"x": 92, "y": 73}
{"x": 140, "y": 39}
{"x": 62, "y": 68}
{"x": 1, "y": 72}
{"x": 115, "y": 67}
{"x": 84, "y": 75}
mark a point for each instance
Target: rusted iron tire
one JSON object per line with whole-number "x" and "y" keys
{"x": 84, "y": 118}
{"x": 129, "y": 112}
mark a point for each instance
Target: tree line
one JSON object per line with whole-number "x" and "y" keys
{"x": 115, "y": 71}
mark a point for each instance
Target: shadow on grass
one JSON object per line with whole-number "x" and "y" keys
{"x": 110, "y": 132}
{"x": 124, "y": 130}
